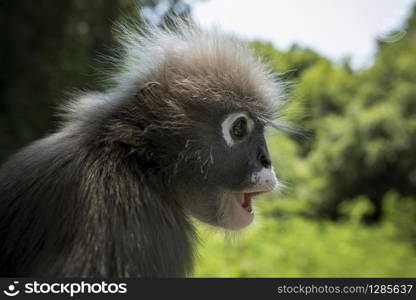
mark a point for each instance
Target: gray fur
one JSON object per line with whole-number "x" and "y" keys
{"x": 110, "y": 193}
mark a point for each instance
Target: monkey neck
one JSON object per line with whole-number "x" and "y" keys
{"x": 136, "y": 227}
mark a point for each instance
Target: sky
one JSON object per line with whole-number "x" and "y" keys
{"x": 333, "y": 28}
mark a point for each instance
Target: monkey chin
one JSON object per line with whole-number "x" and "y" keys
{"x": 238, "y": 210}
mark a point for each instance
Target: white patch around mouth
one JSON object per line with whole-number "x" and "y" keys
{"x": 239, "y": 212}
{"x": 264, "y": 181}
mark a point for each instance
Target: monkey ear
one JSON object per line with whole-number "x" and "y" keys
{"x": 130, "y": 127}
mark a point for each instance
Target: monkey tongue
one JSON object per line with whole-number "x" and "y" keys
{"x": 247, "y": 204}
{"x": 247, "y": 201}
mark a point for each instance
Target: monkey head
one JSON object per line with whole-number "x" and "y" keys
{"x": 199, "y": 111}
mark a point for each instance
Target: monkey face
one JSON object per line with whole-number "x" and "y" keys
{"x": 237, "y": 168}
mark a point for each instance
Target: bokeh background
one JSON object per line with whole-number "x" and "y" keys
{"x": 349, "y": 206}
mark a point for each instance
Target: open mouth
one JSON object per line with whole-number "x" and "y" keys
{"x": 245, "y": 200}
{"x": 239, "y": 209}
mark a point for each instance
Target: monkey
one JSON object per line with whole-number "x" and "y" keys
{"x": 178, "y": 135}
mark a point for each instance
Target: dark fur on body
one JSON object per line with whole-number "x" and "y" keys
{"x": 107, "y": 195}
{"x": 72, "y": 205}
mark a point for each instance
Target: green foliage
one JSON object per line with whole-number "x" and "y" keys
{"x": 291, "y": 63}
{"x": 294, "y": 246}
{"x": 401, "y": 211}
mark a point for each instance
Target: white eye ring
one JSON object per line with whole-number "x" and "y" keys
{"x": 228, "y": 123}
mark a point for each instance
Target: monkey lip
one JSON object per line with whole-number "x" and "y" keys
{"x": 245, "y": 200}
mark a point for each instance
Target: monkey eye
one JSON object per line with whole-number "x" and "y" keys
{"x": 239, "y": 128}
{"x": 235, "y": 127}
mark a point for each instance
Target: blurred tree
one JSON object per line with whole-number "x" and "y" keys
{"x": 296, "y": 68}
{"x": 49, "y": 47}
{"x": 370, "y": 148}
{"x": 323, "y": 90}
{"x": 291, "y": 64}
{"x": 362, "y": 124}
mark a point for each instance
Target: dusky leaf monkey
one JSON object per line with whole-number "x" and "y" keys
{"x": 179, "y": 134}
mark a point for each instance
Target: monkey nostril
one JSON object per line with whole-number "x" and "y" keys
{"x": 265, "y": 162}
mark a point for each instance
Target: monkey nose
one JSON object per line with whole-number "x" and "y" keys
{"x": 264, "y": 160}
